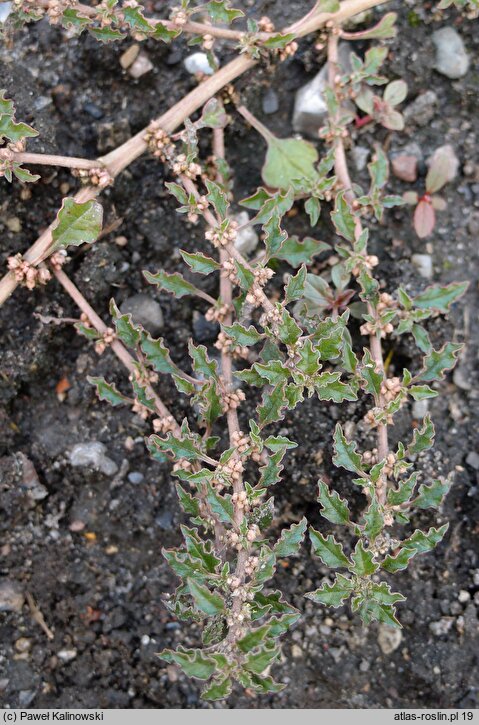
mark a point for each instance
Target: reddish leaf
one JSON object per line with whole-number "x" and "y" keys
{"x": 424, "y": 219}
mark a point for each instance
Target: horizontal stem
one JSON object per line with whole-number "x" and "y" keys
{"x": 71, "y": 162}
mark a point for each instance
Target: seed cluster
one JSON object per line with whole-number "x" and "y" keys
{"x": 227, "y": 345}
{"x": 221, "y": 237}
{"x": 26, "y": 274}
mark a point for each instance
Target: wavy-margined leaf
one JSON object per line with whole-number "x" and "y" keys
{"x": 440, "y": 298}
{"x": 291, "y": 539}
{"x": 297, "y": 252}
{"x": 218, "y": 689}
{"x": 174, "y": 283}
{"x": 193, "y": 662}
{"x": 362, "y": 561}
{"x": 328, "y": 549}
{"x": 76, "y": 223}
{"x": 246, "y": 336}
{"x": 334, "y": 508}
{"x": 423, "y": 541}
{"x": 438, "y": 362}
{"x": 207, "y": 601}
{"x": 287, "y": 160}
{"x": 345, "y": 455}
{"x": 343, "y": 218}
{"x": 333, "y": 595}
{"x": 108, "y": 391}
{"x": 200, "y": 263}
{"x": 422, "y": 437}
{"x": 433, "y": 495}
{"x": 221, "y": 12}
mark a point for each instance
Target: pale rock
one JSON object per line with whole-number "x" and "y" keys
{"x": 145, "y": 311}
{"x": 67, "y": 655}
{"x": 198, "y": 63}
{"x": 422, "y": 109}
{"x": 92, "y": 455}
{"x": 442, "y": 626}
{"x": 129, "y": 56}
{"x": 310, "y": 107}
{"x": 423, "y": 264}
{"x": 141, "y": 66}
{"x": 463, "y": 596}
{"x": 420, "y": 409}
{"x": 452, "y": 59}
{"x": 389, "y": 638}
{"x": 247, "y": 239}
{"x": 360, "y": 156}
{"x": 404, "y": 167}
{"x": 472, "y": 459}
{"x": 11, "y": 596}
{"x": 296, "y": 651}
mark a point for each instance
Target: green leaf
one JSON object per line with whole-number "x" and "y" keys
{"x": 179, "y": 447}
{"x": 372, "y": 378}
{"x": 362, "y": 561}
{"x": 329, "y": 387}
{"x": 403, "y": 492}
{"x": 423, "y": 437}
{"x": 421, "y": 339}
{"x": 218, "y": 689}
{"x": 392, "y": 564}
{"x": 192, "y": 662}
{"x": 106, "y": 34}
{"x": 374, "y": 521}
{"x": 213, "y": 114}
{"x": 76, "y": 224}
{"x": 200, "y": 263}
{"x": 384, "y": 29}
{"x": 289, "y": 331}
{"x": 312, "y": 207}
{"x": 254, "y": 638}
{"x": 201, "y": 362}
{"x": 343, "y": 218}
{"x": 125, "y": 329}
{"x": 271, "y": 472}
{"x": 294, "y": 290}
{"x": 244, "y": 336}
{"x": 440, "y": 298}
{"x": 333, "y": 508}
{"x": 345, "y": 453}
{"x": 272, "y": 406}
{"x": 432, "y": 496}
{"x": 308, "y": 362}
{"x": 327, "y": 6}
{"x": 333, "y": 595}
{"x": 257, "y": 662}
{"x": 276, "y": 443}
{"x": 422, "y": 392}
{"x": 174, "y": 283}
{"x": 327, "y": 548}
{"x": 107, "y": 391}
{"x": 287, "y": 160}
{"x": 291, "y": 539}
{"x": 136, "y": 20}
{"x": 422, "y": 542}
{"x": 395, "y": 92}
{"x": 220, "y": 11}
{"x": 161, "y": 32}
{"x": 23, "y": 175}
{"x": 217, "y": 198}
{"x": 297, "y": 252}
{"x": 189, "y": 503}
{"x": 158, "y": 355}
{"x": 208, "y": 602}
{"x": 221, "y": 506}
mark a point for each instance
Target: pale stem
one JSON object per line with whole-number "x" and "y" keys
{"x": 117, "y": 347}
{"x": 70, "y": 162}
{"x": 342, "y": 173}
{"x": 125, "y": 154}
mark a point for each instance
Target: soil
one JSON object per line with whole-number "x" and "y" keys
{"x": 100, "y": 589}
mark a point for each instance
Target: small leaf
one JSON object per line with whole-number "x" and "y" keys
{"x": 107, "y": 391}
{"x": 333, "y": 595}
{"x": 437, "y": 362}
{"x": 424, "y": 219}
{"x": 432, "y": 496}
{"x": 221, "y": 506}
{"x": 384, "y": 29}
{"x": 287, "y": 160}
{"x": 443, "y": 166}
{"x": 422, "y": 437}
{"x": 158, "y": 355}
{"x": 395, "y": 92}
{"x": 217, "y": 198}
{"x": 244, "y": 336}
{"x": 400, "y": 561}
{"x": 200, "y": 263}
{"x": 220, "y": 11}
{"x": 333, "y": 508}
{"x": 175, "y": 283}
{"x": 374, "y": 521}
{"x": 192, "y": 662}
{"x": 272, "y": 405}
{"x": 297, "y": 252}
{"x": 343, "y": 218}
{"x": 291, "y": 539}
{"x": 208, "y": 602}
{"x": 362, "y": 561}
{"x": 422, "y": 542}
{"x": 345, "y": 453}
{"x": 327, "y": 548}
{"x": 76, "y": 224}
{"x": 294, "y": 290}
{"x": 254, "y": 638}
{"x": 440, "y": 298}
{"x": 218, "y": 689}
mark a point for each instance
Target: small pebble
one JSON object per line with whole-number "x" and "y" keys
{"x": 422, "y": 109}
{"x": 145, "y": 311}
{"x": 93, "y": 111}
{"x": 296, "y": 652}
{"x": 441, "y": 627}
{"x": 420, "y": 409}
{"x": 389, "y": 638}
{"x": 135, "y": 477}
{"x": 452, "y": 59}
{"x": 463, "y": 596}
{"x": 67, "y": 655}
{"x": 23, "y": 644}
{"x": 472, "y": 460}
{"x": 404, "y": 167}
{"x": 14, "y": 224}
{"x": 11, "y": 596}
{"x": 198, "y": 63}
{"x": 129, "y": 56}
{"x": 360, "y": 156}
{"x": 423, "y": 264}
{"x": 270, "y": 102}
{"x": 145, "y": 640}
{"x": 141, "y": 66}
{"x": 92, "y": 455}
{"x": 247, "y": 239}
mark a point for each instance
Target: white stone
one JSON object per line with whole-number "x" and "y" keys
{"x": 247, "y": 239}
{"x": 92, "y": 455}
{"x": 360, "y": 156}
{"x": 67, "y": 655}
{"x": 198, "y": 63}
{"x": 452, "y": 59}
{"x": 11, "y": 596}
{"x": 420, "y": 408}
{"x": 141, "y": 66}
{"x": 389, "y": 638}
{"x": 423, "y": 264}
{"x": 463, "y": 596}
{"x": 310, "y": 106}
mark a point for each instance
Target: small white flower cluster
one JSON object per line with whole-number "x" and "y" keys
{"x": 226, "y": 345}
{"x": 164, "y": 425}
{"x": 232, "y": 400}
{"x": 390, "y": 389}
{"x": 240, "y": 500}
{"x": 217, "y": 314}
{"x": 159, "y": 142}
{"x": 271, "y": 318}
{"x": 255, "y": 295}
{"x": 106, "y": 339}
{"x": 370, "y": 458}
{"x": 178, "y": 16}
{"x": 141, "y": 410}
{"x": 227, "y": 473}
{"x": 201, "y": 206}
{"x": 229, "y": 271}
{"x": 288, "y": 51}
{"x": 99, "y": 176}
{"x": 369, "y": 261}
{"x": 222, "y": 237}
{"x": 372, "y": 328}
{"x": 56, "y": 8}
{"x": 240, "y": 441}
{"x": 182, "y": 464}
{"x": 26, "y": 274}
{"x": 265, "y": 25}
{"x": 371, "y": 418}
